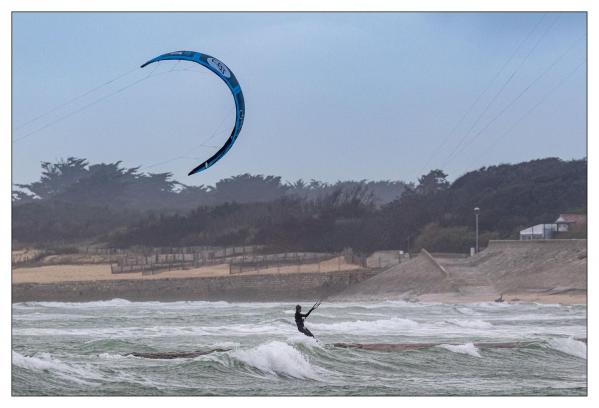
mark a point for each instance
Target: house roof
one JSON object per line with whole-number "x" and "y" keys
{"x": 572, "y": 218}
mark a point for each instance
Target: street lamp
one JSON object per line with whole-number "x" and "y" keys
{"x": 476, "y": 211}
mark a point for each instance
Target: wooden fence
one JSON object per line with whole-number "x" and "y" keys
{"x": 237, "y": 263}
{"x": 287, "y": 259}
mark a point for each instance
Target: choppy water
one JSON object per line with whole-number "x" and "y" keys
{"x": 79, "y": 348}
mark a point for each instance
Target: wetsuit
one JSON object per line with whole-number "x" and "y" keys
{"x": 299, "y": 320}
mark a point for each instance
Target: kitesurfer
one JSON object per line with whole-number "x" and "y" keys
{"x": 299, "y": 319}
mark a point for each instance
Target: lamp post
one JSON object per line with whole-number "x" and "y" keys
{"x": 476, "y": 212}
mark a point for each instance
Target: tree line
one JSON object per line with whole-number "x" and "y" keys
{"x": 74, "y": 201}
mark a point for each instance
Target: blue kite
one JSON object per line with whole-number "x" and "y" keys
{"x": 228, "y": 77}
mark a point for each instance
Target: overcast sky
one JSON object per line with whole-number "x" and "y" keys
{"x": 329, "y": 96}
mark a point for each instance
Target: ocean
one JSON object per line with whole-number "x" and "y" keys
{"x": 255, "y": 349}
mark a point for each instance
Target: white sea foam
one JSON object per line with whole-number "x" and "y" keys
{"x": 363, "y": 314}
{"x": 492, "y": 305}
{"x": 471, "y": 324}
{"x": 468, "y": 348}
{"x": 465, "y": 311}
{"x": 224, "y": 344}
{"x": 368, "y": 327}
{"x": 32, "y": 317}
{"x": 45, "y": 362}
{"x": 278, "y": 358}
{"x": 300, "y": 338}
{"x": 116, "y": 302}
{"x": 569, "y": 346}
{"x": 376, "y": 305}
{"x": 236, "y": 330}
{"x": 102, "y": 303}
{"x": 111, "y": 356}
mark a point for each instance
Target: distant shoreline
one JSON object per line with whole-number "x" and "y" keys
{"x": 550, "y": 271}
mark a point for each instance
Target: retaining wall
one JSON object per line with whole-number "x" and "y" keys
{"x": 273, "y": 287}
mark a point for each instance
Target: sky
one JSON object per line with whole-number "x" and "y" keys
{"x": 329, "y": 96}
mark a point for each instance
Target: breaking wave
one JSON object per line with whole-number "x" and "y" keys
{"x": 569, "y": 346}
{"x": 45, "y": 362}
{"x": 280, "y": 359}
{"x": 468, "y": 348}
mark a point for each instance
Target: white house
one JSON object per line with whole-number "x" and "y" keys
{"x": 539, "y": 231}
{"x": 564, "y": 223}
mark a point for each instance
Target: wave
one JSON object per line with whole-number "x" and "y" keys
{"x": 46, "y": 363}
{"x": 492, "y": 305}
{"x": 470, "y": 324}
{"x": 379, "y": 304}
{"x": 33, "y": 317}
{"x": 468, "y": 348}
{"x": 368, "y": 327}
{"x": 465, "y": 311}
{"x": 110, "y": 356}
{"x": 184, "y": 304}
{"x": 101, "y": 303}
{"x": 302, "y": 339}
{"x": 279, "y": 359}
{"x": 569, "y": 346}
{"x": 235, "y": 330}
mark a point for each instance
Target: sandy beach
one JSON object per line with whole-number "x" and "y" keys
{"x": 511, "y": 298}
{"x": 102, "y": 272}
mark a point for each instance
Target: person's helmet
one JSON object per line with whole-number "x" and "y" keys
{"x": 298, "y": 308}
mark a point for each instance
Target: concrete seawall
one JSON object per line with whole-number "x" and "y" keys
{"x": 279, "y": 287}
{"x": 549, "y": 244}
{"x": 530, "y": 269}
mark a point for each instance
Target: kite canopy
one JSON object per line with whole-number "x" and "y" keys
{"x": 228, "y": 77}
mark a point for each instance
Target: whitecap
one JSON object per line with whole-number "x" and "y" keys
{"x": 370, "y": 327}
{"x": 569, "y": 346}
{"x": 101, "y": 303}
{"x": 471, "y": 324}
{"x": 468, "y": 348}
{"x": 110, "y": 356}
{"x": 304, "y": 340}
{"x": 280, "y": 359}
{"x": 45, "y": 362}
